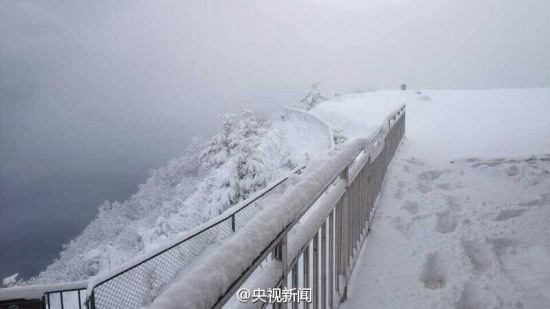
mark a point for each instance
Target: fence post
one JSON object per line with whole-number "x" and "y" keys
{"x": 90, "y": 302}
{"x": 344, "y": 239}
{"x": 281, "y": 254}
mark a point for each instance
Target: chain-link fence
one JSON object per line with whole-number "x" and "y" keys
{"x": 139, "y": 284}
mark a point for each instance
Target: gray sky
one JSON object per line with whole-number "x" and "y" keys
{"x": 94, "y": 93}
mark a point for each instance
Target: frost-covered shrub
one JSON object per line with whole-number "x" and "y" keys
{"x": 240, "y": 167}
{"x": 313, "y": 98}
{"x": 339, "y": 137}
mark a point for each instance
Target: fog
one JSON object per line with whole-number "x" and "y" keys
{"x": 95, "y": 93}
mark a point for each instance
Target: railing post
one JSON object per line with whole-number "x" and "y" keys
{"x": 90, "y": 302}
{"x": 331, "y": 259}
{"x": 315, "y": 286}
{"x": 344, "y": 239}
{"x": 324, "y": 266}
{"x": 282, "y": 255}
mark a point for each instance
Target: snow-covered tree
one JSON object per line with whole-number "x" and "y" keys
{"x": 313, "y": 98}
{"x": 339, "y": 137}
{"x": 250, "y": 169}
{"x": 218, "y": 150}
{"x": 240, "y": 168}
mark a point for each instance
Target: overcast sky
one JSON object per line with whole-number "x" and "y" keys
{"x": 94, "y": 93}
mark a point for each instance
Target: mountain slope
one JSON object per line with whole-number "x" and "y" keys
{"x": 188, "y": 191}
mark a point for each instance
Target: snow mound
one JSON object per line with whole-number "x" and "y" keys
{"x": 360, "y": 115}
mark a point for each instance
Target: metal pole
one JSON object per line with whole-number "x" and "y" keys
{"x": 306, "y": 271}
{"x": 315, "y": 291}
{"x": 324, "y": 265}
{"x": 331, "y": 258}
{"x": 344, "y": 243}
{"x": 295, "y": 283}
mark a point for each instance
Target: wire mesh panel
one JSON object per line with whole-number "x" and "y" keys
{"x": 140, "y": 284}
{"x": 68, "y": 299}
{"x": 247, "y": 213}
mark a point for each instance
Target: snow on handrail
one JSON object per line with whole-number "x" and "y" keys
{"x": 314, "y": 118}
{"x": 37, "y": 291}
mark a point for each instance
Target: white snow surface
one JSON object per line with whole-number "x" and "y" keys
{"x": 463, "y": 218}
{"x": 360, "y": 115}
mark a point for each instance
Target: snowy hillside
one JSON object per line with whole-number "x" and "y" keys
{"x": 463, "y": 220}
{"x": 246, "y": 154}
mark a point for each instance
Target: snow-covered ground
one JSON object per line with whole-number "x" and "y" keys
{"x": 463, "y": 218}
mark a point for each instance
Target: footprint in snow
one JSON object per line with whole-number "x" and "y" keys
{"x": 411, "y": 207}
{"x": 433, "y": 273}
{"x": 472, "y": 298}
{"x": 414, "y": 161}
{"x": 507, "y": 214}
{"x": 542, "y": 200}
{"x": 454, "y": 202}
{"x": 432, "y": 175}
{"x": 479, "y": 255}
{"x": 398, "y": 194}
{"x": 512, "y": 171}
{"x": 449, "y": 186}
{"x": 423, "y": 187}
{"x": 446, "y": 222}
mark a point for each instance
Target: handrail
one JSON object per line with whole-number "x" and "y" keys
{"x": 288, "y": 109}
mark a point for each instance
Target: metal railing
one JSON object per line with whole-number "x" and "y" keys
{"x": 51, "y": 296}
{"x": 72, "y": 296}
{"x": 314, "y": 247}
{"x": 138, "y": 283}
